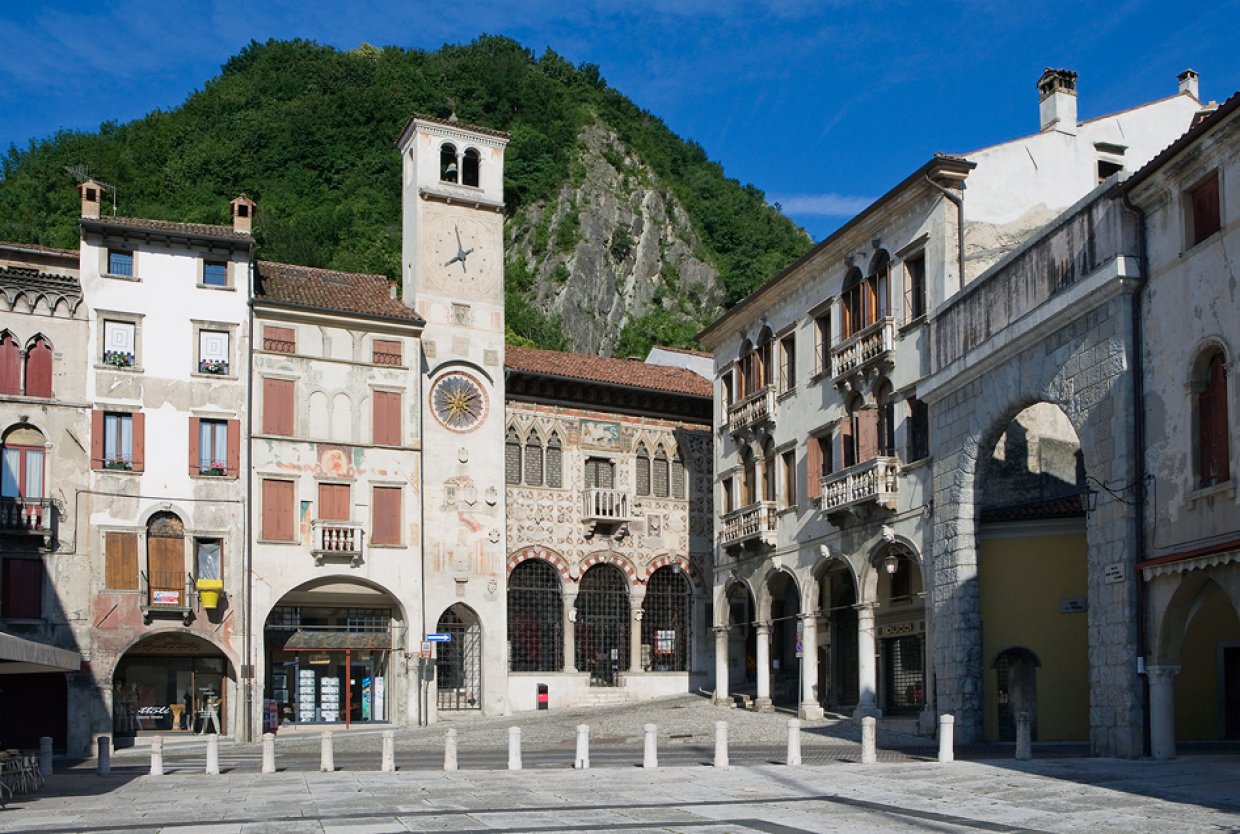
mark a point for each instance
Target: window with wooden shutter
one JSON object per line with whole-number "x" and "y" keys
{"x": 387, "y": 408}
{"x": 38, "y": 381}
{"x": 23, "y": 589}
{"x": 787, "y": 363}
{"x": 334, "y": 502}
{"x": 279, "y": 339}
{"x": 1204, "y": 205}
{"x": 822, "y": 342}
{"x": 726, "y": 495}
{"x": 789, "y": 460}
{"x": 10, "y": 365}
{"x": 918, "y": 429}
{"x": 914, "y": 286}
{"x": 386, "y": 352}
{"x": 278, "y": 406}
{"x": 386, "y": 507}
{"x": 813, "y": 466}
{"x": 768, "y": 473}
{"x": 120, "y": 571}
{"x": 512, "y": 457}
{"x": 118, "y": 440}
{"x": 1212, "y": 425}
{"x": 278, "y": 511}
{"x": 555, "y": 462}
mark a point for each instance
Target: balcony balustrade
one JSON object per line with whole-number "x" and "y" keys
{"x": 166, "y": 594}
{"x": 872, "y": 481}
{"x": 34, "y": 516}
{"x": 755, "y": 522}
{"x": 871, "y": 344}
{"x": 337, "y": 539}
{"x": 753, "y": 410}
{"x": 606, "y": 507}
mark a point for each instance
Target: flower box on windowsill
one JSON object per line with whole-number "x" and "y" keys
{"x": 118, "y": 359}
{"x": 215, "y": 470}
{"x": 118, "y": 464}
{"x": 213, "y": 366}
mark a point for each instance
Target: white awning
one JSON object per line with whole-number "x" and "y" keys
{"x": 23, "y": 656}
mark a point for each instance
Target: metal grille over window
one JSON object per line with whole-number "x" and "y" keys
{"x": 642, "y": 474}
{"x": 512, "y": 458}
{"x": 555, "y": 469}
{"x": 458, "y": 663}
{"x": 902, "y": 659}
{"x": 535, "y": 618}
{"x": 660, "y": 473}
{"x": 598, "y": 473}
{"x": 678, "y": 477}
{"x": 603, "y": 625}
{"x": 667, "y": 621}
{"x": 533, "y": 461}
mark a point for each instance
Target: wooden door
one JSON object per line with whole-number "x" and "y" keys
{"x": 165, "y": 558}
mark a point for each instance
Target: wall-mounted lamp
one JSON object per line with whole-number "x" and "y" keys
{"x": 891, "y": 564}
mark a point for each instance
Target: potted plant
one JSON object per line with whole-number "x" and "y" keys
{"x": 215, "y": 467}
{"x": 209, "y": 591}
{"x": 118, "y": 358}
{"x": 212, "y": 366}
{"x": 117, "y": 463}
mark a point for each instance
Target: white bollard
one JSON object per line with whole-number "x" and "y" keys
{"x": 449, "y": 750}
{"x": 104, "y": 754}
{"x": 213, "y": 754}
{"x": 721, "y": 744}
{"x": 327, "y": 754}
{"x": 1024, "y": 737}
{"x": 157, "y": 756}
{"x": 651, "y": 755}
{"x": 514, "y": 748}
{"x": 947, "y": 729}
{"x": 269, "y": 753}
{"x": 869, "y": 740}
{"x": 582, "y": 761}
{"x": 794, "y": 742}
{"x": 45, "y": 756}
{"x": 389, "y": 752}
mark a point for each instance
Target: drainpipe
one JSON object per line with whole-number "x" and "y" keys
{"x": 247, "y": 605}
{"x": 1138, "y": 432}
{"x": 958, "y": 199}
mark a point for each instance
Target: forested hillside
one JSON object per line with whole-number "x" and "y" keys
{"x": 308, "y": 131}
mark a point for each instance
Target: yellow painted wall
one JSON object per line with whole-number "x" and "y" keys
{"x": 1021, "y": 582}
{"x": 1198, "y": 691}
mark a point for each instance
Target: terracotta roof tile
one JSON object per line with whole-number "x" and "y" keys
{"x": 207, "y": 230}
{"x": 37, "y": 249}
{"x": 328, "y": 289}
{"x": 34, "y": 280}
{"x": 1068, "y": 506}
{"x": 630, "y": 373}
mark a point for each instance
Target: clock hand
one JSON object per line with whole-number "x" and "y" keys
{"x": 454, "y": 259}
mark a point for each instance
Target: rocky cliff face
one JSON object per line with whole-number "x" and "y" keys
{"x": 613, "y": 246}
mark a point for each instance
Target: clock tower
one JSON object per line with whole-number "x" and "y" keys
{"x": 453, "y": 275}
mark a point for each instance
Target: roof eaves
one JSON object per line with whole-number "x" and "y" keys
{"x": 415, "y": 320}
{"x": 1187, "y": 138}
{"x": 604, "y": 383}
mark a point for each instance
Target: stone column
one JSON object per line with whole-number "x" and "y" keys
{"x": 570, "y": 632}
{"x": 636, "y": 598}
{"x": 867, "y": 669}
{"x": 810, "y": 708}
{"x": 721, "y": 667}
{"x": 1162, "y": 711}
{"x": 763, "y": 638}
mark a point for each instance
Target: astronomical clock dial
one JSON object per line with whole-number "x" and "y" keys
{"x": 459, "y": 403}
{"x": 459, "y": 256}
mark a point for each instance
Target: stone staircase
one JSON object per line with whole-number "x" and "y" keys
{"x": 605, "y": 697}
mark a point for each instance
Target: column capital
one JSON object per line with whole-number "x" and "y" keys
{"x": 808, "y": 616}
{"x": 762, "y": 628}
{"x": 720, "y": 631}
{"x": 865, "y": 607}
{"x": 1162, "y": 674}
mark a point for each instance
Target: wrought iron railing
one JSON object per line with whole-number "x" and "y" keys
{"x": 748, "y": 522}
{"x": 756, "y": 408}
{"x": 872, "y": 480}
{"x": 166, "y": 592}
{"x": 863, "y": 347}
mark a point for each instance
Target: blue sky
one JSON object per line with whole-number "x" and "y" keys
{"x": 823, "y": 104}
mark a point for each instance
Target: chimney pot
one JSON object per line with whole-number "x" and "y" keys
{"x": 92, "y": 196}
{"x": 1057, "y": 100}
{"x": 1188, "y": 82}
{"x": 243, "y": 214}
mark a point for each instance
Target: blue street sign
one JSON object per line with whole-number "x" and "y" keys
{"x": 439, "y": 638}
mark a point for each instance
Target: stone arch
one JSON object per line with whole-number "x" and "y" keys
{"x": 1195, "y": 589}
{"x": 319, "y": 413}
{"x": 546, "y": 554}
{"x": 875, "y": 563}
{"x": 726, "y": 592}
{"x": 611, "y": 557}
{"x": 765, "y": 597}
{"x": 341, "y": 417}
{"x": 686, "y": 565}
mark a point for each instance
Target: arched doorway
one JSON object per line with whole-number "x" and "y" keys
{"x": 785, "y": 611}
{"x": 667, "y": 621}
{"x": 742, "y": 638}
{"x": 603, "y": 624}
{"x": 458, "y": 662}
{"x": 535, "y": 618}
{"x": 1207, "y": 688}
{"x": 1016, "y": 691}
{"x": 167, "y": 683}
{"x": 901, "y": 632}
{"x": 328, "y": 646}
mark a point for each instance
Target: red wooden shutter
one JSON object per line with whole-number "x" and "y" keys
{"x": 121, "y": 565}
{"x": 23, "y": 589}
{"x": 386, "y": 510}
{"x": 1213, "y": 427}
{"x": 867, "y": 434}
{"x": 846, "y": 449}
{"x": 387, "y": 418}
{"x": 234, "y": 448}
{"x": 195, "y": 436}
{"x": 334, "y": 502}
{"x": 387, "y": 352}
{"x": 10, "y": 365}
{"x": 813, "y": 468}
{"x": 278, "y": 406}
{"x": 96, "y": 439}
{"x": 39, "y": 369}
{"x": 279, "y": 339}
{"x": 278, "y": 510}
{"x": 139, "y": 441}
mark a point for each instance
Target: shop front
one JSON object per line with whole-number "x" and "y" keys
{"x": 170, "y": 683}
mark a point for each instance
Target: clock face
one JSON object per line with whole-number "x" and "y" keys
{"x": 459, "y": 256}
{"x": 459, "y": 403}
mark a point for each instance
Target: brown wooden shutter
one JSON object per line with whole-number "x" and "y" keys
{"x": 23, "y": 589}
{"x": 278, "y": 406}
{"x": 96, "y": 439}
{"x": 165, "y": 562}
{"x": 121, "y": 561}
{"x": 813, "y": 468}
{"x": 39, "y": 369}
{"x": 139, "y": 441}
{"x": 10, "y": 365}
{"x": 234, "y": 448}
{"x": 279, "y": 339}
{"x": 195, "y": 437}
{"x": 867, "y": 434}
{"x": 278, "y": 511}
{"x": 1205, "y": 209}
{"x": 386, "y": 509}
{"x": 387, "y": 418}
{"x": 846, "y": 443}
{"x": 386, "y": 352}
{"x": 334, "y": 502}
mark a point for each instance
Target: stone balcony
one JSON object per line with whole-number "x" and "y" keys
{"x": 870, "y": 346}
{"x": 606, "y": 508}
{"x": 166, "y": 594}
{"x": 28, "y": 517}
{"x": 337, "y": 539}
{"x": 873, "y": 482}
{"x": 753, "y": 410}
{"x": 753, "y": 525}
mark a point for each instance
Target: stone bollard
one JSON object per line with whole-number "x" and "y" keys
{"x": 104, "y": 754}
{"x": 327, "y": 754}
{"x": 449, "y": 750}
{"x": 269, "y": 753}
{"x": 651, "y": 755}
{"x": 582, "y": 761}
{"x": 157, "y": 756}
{"x": 45, "y": 756}
{"x": 947, "y": 729}
{"x": 1024, "y": 737}
{"x": 213, "y": 754}
{"x": 721, "y": 744}
{"x": 389, "y": 752}
{"x": 514, "y": 748}
{"x": 794, "y": 742}
{"x": 869, "y": 740}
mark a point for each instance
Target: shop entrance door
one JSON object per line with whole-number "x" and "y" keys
{"x": 361, "y": 691}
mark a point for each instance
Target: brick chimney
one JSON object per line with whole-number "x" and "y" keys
{"x": 243, "y": 214}
{"x": 92, "y": 196}
{"x": 1057, "y": 100}
{"x": 1188, "y": 83}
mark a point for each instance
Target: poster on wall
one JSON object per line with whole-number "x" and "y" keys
{"x": 306, "y": 692}
{"x": 329, "y": 699}
{"x": 665, "y": 641}
{"x": 379, "y": 693}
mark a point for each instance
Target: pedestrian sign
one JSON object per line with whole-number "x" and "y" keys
{"x": 439, "y": 638}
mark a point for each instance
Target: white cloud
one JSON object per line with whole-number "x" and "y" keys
{"x": 821, "y": 205}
